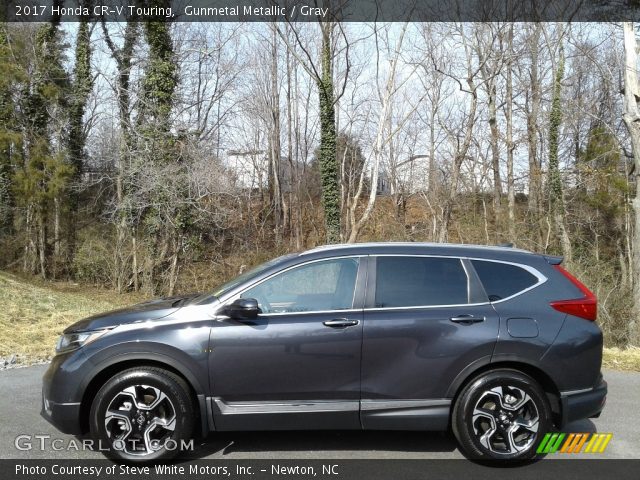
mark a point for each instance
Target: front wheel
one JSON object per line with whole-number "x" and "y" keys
{"x": 501, "y": 415}
{"x": 142, "y": 414}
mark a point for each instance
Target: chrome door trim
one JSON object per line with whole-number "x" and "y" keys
{"x": 296, "y": 406}
{"x": 372, "y": 405}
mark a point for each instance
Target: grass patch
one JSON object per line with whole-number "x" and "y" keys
{"x": 622, "y": 359}
{"x": 35, "y": 312}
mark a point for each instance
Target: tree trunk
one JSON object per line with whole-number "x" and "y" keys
{"x": 511, "y": 194}
{"x": 76, "y": 139}
{"x": 495, "y": 154}
{"x": 555, "y": 189}
{"x": 275, "y": 190}
{"x": 173, "y": 273}
{"x": 42, "y": 243}
{"x": 123, "y": 57}
{"x": 535, "y": 180}
{"x": 461, "y": 154}
{"x": 328, "y": 160}
{"x": 631, "y": 119}
{"x": 134, "y": 261}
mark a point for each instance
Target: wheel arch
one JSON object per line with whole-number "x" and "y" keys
{"x": 124, "y": 362}
{"x": 535, "y": 372}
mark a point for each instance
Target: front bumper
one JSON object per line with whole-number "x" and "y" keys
{"x": 583, "y": 403}
{"x": 61, "y": 392}
{"x": 64, "y": 416}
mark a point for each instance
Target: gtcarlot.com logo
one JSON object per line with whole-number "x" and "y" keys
{"x": 574, "y": 443}
{"x": 46, "y": 442}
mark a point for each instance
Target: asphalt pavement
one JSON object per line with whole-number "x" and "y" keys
{"x": 20, "y": 415}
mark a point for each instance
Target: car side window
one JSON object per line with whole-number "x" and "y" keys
{"x": 420, "y": 281}
{"x": 316, "y": 286}
{"x": 502, "y": 280}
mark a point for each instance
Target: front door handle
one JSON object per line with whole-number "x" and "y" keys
{"x": 467, "y": 319}
{"x": 340, "y": 323}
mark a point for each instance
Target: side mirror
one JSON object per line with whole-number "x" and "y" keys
{"x": 243, "y": 309}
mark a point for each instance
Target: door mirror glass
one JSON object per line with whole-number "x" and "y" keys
{"x": 243, "y": 309}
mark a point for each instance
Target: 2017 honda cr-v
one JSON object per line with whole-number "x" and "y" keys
{"x": 498, "y": 344}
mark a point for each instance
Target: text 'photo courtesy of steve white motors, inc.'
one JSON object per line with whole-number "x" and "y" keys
{"x": 319, "y": 239}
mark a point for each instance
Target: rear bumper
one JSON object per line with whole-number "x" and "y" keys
{"x": 581, "y": 404}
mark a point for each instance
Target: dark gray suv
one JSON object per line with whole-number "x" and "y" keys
{"x": 496, "y": 343}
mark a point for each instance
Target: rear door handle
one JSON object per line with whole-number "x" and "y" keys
{"x": 467, "y": 319}
{"x": 340, "y": 323}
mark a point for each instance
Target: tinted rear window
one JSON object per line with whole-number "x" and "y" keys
{"x": 420, "y": 281}
{"x": 502, "y": 280}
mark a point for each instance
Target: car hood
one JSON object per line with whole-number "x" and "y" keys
{"x": 152, "y": 310}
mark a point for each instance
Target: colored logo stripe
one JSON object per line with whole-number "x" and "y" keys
{"x": 598, "y": 442}
{"x": 578, "y": 446}
{"x": 574, "y": 442}
{"x": 550, "y": 443}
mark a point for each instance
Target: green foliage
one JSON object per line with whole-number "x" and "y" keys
{"x": 8, "y": 134}
{"x": 328, "y": 161}
{"x": 92, "y": 263}
{"x": 161, "y": 74}
{"x": 82, "y": 87}
{"x": 36, "y": 104}
{"x": 605, "y": 190}
{"x": 555, "y": 181}
{"x": 43, "y": 177}
{"x": 600, "y": 163}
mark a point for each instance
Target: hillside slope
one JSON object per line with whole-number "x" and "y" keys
{"x": 34, "y": 313}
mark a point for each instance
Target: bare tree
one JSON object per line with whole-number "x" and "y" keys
{"x": 631, "y": 119}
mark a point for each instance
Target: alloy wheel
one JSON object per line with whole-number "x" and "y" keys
{"x": 140, "y": 419}
{"x": 505, "y": 420}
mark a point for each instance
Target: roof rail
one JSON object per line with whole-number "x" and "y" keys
{"x": 506, "y": 245}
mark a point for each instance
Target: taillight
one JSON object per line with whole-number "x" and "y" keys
{"x": 585, "y": 307}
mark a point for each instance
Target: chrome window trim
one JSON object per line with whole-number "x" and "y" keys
{"x": 326, "y": 259}
{"x": 541, "y": 279}
{"x": 311, "y": 312}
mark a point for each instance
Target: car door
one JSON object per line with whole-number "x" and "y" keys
{"x": 426, "y": 319}
{"x": 297, "y": 365}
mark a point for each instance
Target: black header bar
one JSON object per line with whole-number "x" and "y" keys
{"x": 321, "y": 10}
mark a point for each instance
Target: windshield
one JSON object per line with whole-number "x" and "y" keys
{"x": 248, "y": 275}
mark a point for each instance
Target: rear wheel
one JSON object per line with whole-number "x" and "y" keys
{"x": 142, "y": 414}
{"x": 501, "y": 415}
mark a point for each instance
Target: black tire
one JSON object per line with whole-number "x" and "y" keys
{"x": 480, "y": 438}
{"x": 175, "y": 409}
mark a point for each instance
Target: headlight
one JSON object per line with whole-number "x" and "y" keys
{"x": 72, "y": 341}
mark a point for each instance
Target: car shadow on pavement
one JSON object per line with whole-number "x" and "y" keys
{"x": 581, "y": 426}
{"x": 221, "y": 444}
{"x": 329, "y": 443}
{"x": 387, "y": 444}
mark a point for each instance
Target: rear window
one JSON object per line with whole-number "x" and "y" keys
{"x": 502, "y": 280}
{"x": 420, "y": 281}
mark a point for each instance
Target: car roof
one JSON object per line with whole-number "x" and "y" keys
{"x": 420, "y": 248}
